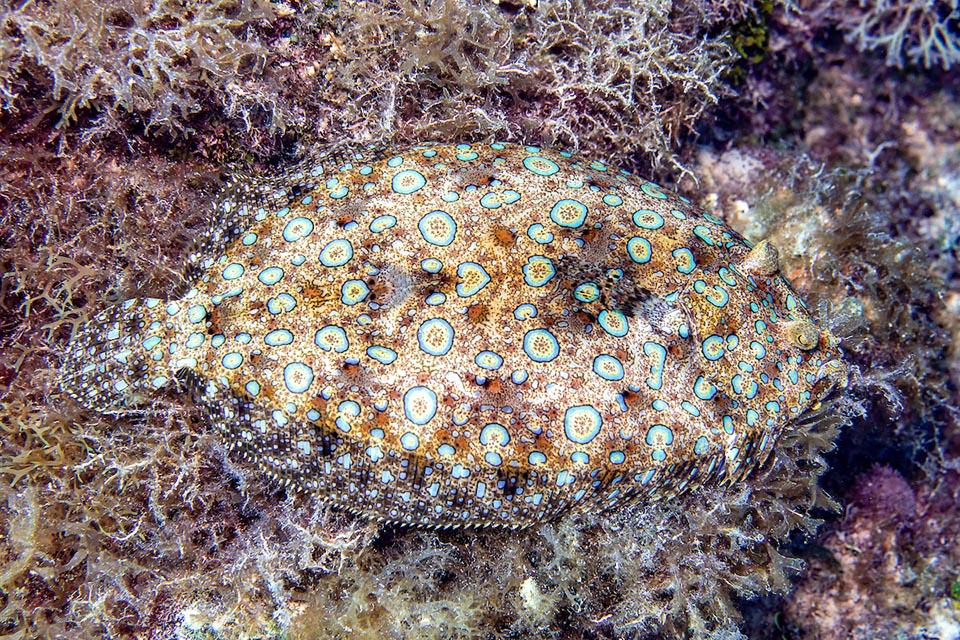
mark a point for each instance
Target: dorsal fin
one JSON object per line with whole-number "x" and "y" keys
{"x": 246, "y": 199}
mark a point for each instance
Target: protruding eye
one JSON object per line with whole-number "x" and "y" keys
{"x": 763, "y": 260}
{"x": 802, "y": 334}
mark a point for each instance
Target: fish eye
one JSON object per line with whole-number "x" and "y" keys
{"x": 802, "y": 334}
{"x": 763, "y": 260}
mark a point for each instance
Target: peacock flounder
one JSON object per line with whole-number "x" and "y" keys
{"x": 473, "y": 335}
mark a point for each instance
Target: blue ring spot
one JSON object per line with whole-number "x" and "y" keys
{"x": 337, "y": 253}
{"x": 703, "y": 233}
{"x": 587, "y": 292}
{"x": 702, "y": 446}
{"x": 249, "y": 239}
{"x": 653, "y": 191}
{"x": 491, "y": 201}
{"x": 639, "y": 250}
{"x": 353, "y": 292}
{"x": 474, "y": 279}
{"x": 538, "y": 234}
{"x": 488, "y": 360}
{"x": 253, "y": 388}
{"x": 493, "y": 458}
{"x": 614, "y": 323}
{"x": 382, "y": 223}
{"x": 420, "y": 405}
{"x": 331, "y": 338}
{"x": 232, "y": 360}
{"x": 582, "y": 423}
{"x": 569, "y": 213}
{"x": 406, "y": 182}
{"x": 647, "y": 219}
{"x": 435, "y": 337}
{"x": 712, "y": 348}
{"x": 431, "y": 265}
{"x": 494, "y": 433}
{"x": 435, "y": 299}
{"x": 617, "y": 457}
{"x": 541, "y": 166}
{"x": 719, "y": 298}
{"x": 282, "y": 303}
{"x": 659, "y": 353}
{"x": 536, "y": 457}
{"x": 728, "y": 278}
{"x": 659, "y": 436}
{"x": 704, "y": 389}
{"x": 709, "y": 217}
{"x": 410, "y": 441}
{"x": 686, "y": 262}
{"x": 608, "y": 367}
{"x": 728, "y": 424}
{"x": 233, "y": 271}
{"x": 278, "y": 338}
{"x": 297, "y": 377}
{"x": 270, "y": 276}
{"x": 197, "y": 313}
{"x": 525, "y": 311}
{"x": 538, "y": 271}
{"x": 540, "y": 345}
{"x": 519, "y": 376}
{"x": 297, "y": 228}
{"x": 690, "y": 408}
{"x": 446, "y": 450}
{"x": 438, "y": 228}
{"x": 383, "y": 355}
{"x": 612, "y": 200}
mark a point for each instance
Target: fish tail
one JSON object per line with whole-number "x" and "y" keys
{"x": 120, "y": 355}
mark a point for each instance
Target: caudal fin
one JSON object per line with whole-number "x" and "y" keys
{"x": 118, "y": 357}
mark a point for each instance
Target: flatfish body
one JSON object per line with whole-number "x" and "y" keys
{"x": 472, "y": 335}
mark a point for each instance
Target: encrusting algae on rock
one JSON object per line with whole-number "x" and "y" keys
{"x": 472, "y": 335}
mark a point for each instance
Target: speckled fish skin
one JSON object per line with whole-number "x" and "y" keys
{"x": 473, "y": 335}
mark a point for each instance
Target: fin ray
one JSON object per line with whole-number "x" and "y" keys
{"x": 108, "y": 366}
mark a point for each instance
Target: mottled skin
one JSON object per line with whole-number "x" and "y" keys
{"x": 473, "y": 335}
